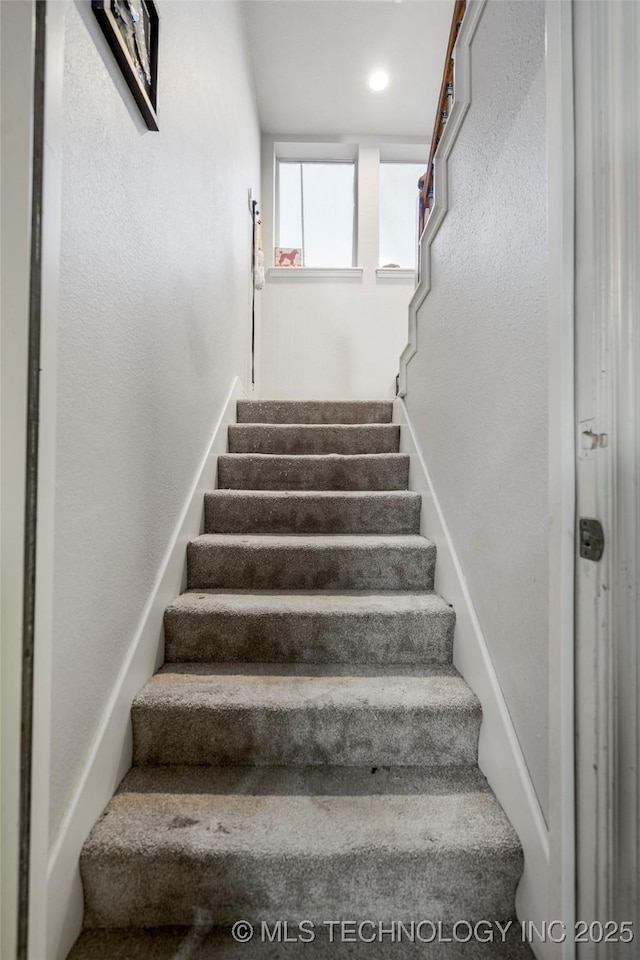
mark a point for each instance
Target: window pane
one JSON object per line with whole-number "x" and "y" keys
{"x": 290, "y": 212}
{"x": 398, "y": 213}
{"x": 328, "y": 190}
{"x": 324, "y": 192}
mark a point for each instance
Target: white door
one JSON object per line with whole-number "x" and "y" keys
{"x": 607, "y": 301}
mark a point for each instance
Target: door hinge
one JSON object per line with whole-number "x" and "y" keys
{"x": 591, "y": 539}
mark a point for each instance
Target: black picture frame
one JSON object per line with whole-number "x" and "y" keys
{"x": 139, "y": 68}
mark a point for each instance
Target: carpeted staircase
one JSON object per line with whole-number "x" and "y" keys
{"x": 307, "y": 752}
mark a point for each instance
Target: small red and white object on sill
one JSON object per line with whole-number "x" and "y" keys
{"x": 288, "y": 257}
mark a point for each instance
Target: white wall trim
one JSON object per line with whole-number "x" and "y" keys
{"x": 500, "y": 756}
{"x": 314, "y": 273}
{"x": 461, "y": 103}
{"x": 336, "y": 149}
{"x": 559, "y": 75}
{"x": 396, "y": 273}
{"x": 110, "y": 756}
{"x": 48, "y": 412}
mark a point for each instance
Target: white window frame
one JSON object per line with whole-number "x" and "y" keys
{"x": 359, "y": 149}
{"x": 353, "y": 162}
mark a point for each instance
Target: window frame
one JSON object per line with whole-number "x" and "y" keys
{"x": 353, "y": 162}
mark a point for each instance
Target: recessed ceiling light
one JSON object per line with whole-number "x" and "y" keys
{"x": 378, "y": 80}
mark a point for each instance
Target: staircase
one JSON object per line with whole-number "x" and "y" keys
{"x": 307, "y": 752}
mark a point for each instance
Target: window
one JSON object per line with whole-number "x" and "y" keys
{"x": 399, "y": 213}
{"x": 316, "y": 211}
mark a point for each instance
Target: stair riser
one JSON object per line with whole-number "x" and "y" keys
{"x": 251, "y": 513}
{"x": 275, "y": 472}
{"x": 307, "y": 568}
{"x": 355, "y": 735}
{"x": 126, "y": 944}
{"x": 314, "y": 411}
{"x": 270, "y": 637}
{"x": 161, "y": 890}
{"x": 318, "y": 440}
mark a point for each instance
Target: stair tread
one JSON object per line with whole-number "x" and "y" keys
{"x": 317, "y": 540}
{"x": 307, "y": 561}
{"x": 313, "y": 842}
{"x": 280, "y": 811}
{"x": 312, "y": 511}
{"x": 321, "y": 601}
{"x": 315, "y": 411}
{"x": 281, "y": 687}
{"x": 225, "y": 492}
{"x": 308, "y": 457}
{"x": 315, "y": 438}
{"x": 324, "y": 626}
{"x": 169, "y": 943}
{"x": 333, "y": 471}
{"x": 318, "y": 429}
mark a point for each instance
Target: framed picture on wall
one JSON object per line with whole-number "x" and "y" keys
{"x": 131, "y": 29}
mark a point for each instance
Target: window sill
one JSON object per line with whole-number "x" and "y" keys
{"x": 395, "y": 273}
{"x": 314, "y": 273}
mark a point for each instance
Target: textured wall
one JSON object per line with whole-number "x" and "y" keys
{"x": 332, "y": 338}
{"x": 477, "y": 388}
{"x": 154, "y": 324}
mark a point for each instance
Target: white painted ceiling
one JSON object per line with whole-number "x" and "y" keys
{"x": 311, "y": 61}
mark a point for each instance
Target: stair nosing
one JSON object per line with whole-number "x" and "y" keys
{"x": 291, "y": 688}
{"x": 220, "y": 786}
{"x": 293, "y": 425}
{"x": 360, "y": 540}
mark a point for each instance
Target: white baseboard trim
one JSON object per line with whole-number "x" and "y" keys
{"x": 500, "y": 757}
{"x": 110, "y": 756}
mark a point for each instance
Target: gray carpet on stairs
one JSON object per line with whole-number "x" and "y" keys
{"x": 301, "y": 626}
{"x": 308, "y": 751}
{"x": 315, "y": 411}
{"x": 201, "y": 944}
{"x": 308, "y": 511}
{"x": 314, "y": 438}
{"x": 263, "y": 471}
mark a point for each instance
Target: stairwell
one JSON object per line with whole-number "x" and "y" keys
{"x": 307, "y": 752}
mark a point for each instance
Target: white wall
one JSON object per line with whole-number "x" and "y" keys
{"x": 154, "y": 326}
{"x": 333, "y": 336}
{"x": 477, "y": 387}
